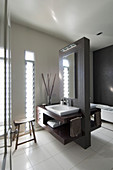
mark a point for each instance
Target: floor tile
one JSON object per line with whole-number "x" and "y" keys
{"x": 106, "y": 151}
{"x": 49, "y": 164}
{"x": 108, "y": 133}
{"x": 110, "y": 143}
{"x": 55, "y": 147}
{"x": 37, "y": 155}
{"x": 95, "y": 162}
{"x": 21, "y": 162}
{"x": 67, "y": 159}
{"x": 102, "y": 138}
{"x": 17, "y": 152}
{"x": 44, "y": 137}
{"x": 96, "y": 144}
{"x": 99, "y": 130}
{"x": 107, "y": 125}
{"x": 64, "y": 161}
{"x": 31, "y": 148}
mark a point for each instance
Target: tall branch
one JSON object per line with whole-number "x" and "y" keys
{"x": 45, "y": 84}
{"x": 52, "y": 85}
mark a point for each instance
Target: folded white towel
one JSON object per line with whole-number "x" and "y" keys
{"x": 54, "y": 123}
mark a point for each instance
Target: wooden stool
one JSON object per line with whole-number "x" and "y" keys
{"x": 17, "y": 124}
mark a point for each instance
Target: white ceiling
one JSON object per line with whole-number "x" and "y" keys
{"x": 69, "y": 20}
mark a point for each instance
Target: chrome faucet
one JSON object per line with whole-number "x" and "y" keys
{"x": 67, "y": 102}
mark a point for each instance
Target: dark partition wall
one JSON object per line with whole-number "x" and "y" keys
{"x": 103, "y": 75}
{"x": 82, "y": 85}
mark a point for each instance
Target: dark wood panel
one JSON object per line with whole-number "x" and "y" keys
{"x": 62, "y": 133}
{"x": 63, "y": 119}
{"x": 103, "y": 75}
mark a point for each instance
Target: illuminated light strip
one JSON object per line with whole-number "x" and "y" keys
{"x": 68, "y": 47}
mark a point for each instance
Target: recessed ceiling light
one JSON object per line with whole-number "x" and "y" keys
{"x": 99, "y": 33}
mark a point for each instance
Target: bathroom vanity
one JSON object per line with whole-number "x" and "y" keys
{"x": 62, "y": 132}
{"x": 69, "y": 123}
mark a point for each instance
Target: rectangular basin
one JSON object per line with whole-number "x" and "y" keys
{"x": 62, "y": 110}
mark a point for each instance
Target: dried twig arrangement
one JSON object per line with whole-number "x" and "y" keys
{"x": 49, "y": 90}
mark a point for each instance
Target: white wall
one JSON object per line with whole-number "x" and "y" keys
{"x": 46, "y": 49}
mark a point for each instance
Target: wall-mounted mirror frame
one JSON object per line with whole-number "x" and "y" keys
{"x": 68, "y": 71}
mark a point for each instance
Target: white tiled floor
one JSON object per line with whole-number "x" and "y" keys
{"x": 50, "y": 154}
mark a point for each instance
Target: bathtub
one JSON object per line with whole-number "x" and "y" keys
{"x": 107, "y": 115}
{"x": 106, "y": 112}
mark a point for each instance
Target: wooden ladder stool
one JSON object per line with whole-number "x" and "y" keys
{"x": 17, "y": 124}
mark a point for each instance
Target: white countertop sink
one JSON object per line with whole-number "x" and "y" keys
{"x": 62, "y": 110}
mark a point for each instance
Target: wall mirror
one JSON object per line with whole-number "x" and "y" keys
{"x": 68, "y": 63}
{"x": 68, "y": 72}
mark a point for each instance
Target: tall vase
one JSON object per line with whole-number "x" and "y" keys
{"x": 48, "y": 100}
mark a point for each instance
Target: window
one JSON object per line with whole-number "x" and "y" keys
{"x": 29, "y": 83}
{"x": 2, "y": 90}
{"x": 1, "y": 87}
{"x": 66, "y": 78}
